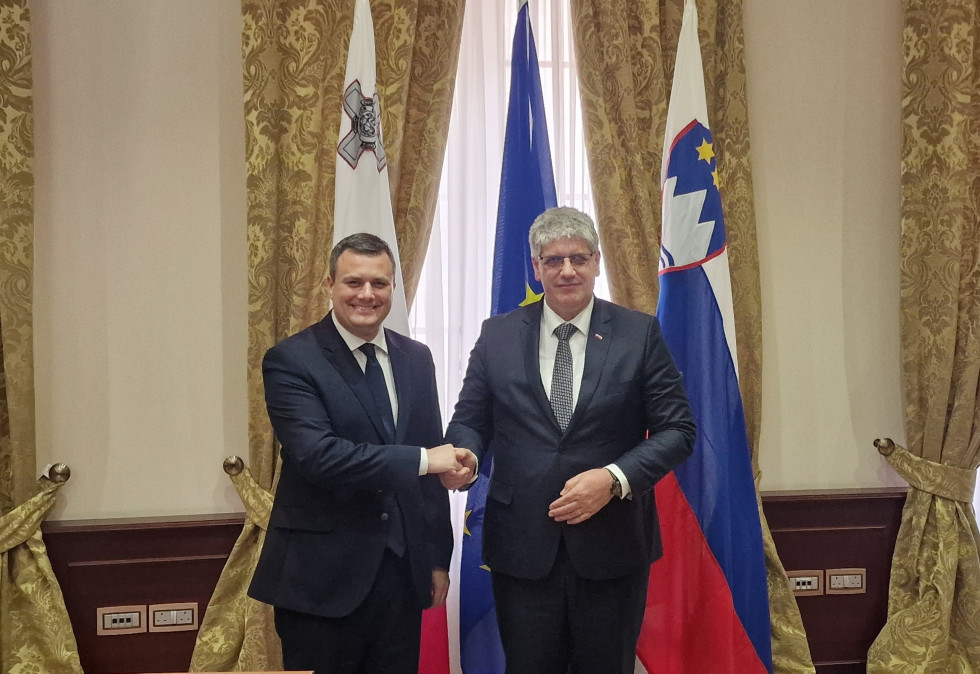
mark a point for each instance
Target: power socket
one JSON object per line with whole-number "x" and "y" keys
{"x": 173, "y": 617}
{"x": 847, "y": 581}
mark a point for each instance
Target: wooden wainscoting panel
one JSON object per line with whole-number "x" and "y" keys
{"x": 127, "y": 562}
{"x": 839, "y": 529}
{"x": 142, "y": 561}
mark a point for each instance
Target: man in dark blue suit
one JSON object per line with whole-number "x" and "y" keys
{"x": 584, "y": 411}
{"x": 359, "y": 539}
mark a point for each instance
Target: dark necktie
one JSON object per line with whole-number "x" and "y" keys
{"x": 379, "y": 389}
{"x": 561, "y": 376}
{"x": 375, "y": 378}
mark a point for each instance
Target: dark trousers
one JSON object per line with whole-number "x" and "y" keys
{"x": 566, "y": 624}
{"x": 381, "y": 635}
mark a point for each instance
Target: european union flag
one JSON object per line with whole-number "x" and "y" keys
{"x": 527, "y": 188}
{"x": 527, "y": 182}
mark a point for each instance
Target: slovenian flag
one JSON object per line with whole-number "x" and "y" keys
{"x": 708, "y": 607}
{"x": 527, "y": 188}
{"x": 362, "y": 203}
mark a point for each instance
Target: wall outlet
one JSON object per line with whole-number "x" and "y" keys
{"x": 847, "y": 581}
{"x": 173, "y": 617}
{"x": 806, "y": 583}
{"x": 114, "y": 620}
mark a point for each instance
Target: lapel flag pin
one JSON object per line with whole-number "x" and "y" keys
{"x": 598, "y": 336}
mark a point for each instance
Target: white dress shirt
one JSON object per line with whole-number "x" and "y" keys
{"x": 354, "y": 343}
{"x": 548, "y": 347}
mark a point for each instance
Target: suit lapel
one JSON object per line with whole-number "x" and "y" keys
{"x": 403, "y": 382}
{"x": 531, "y": 342}
{"x": 596, "y": 349}
{"x": 336, "y": 351}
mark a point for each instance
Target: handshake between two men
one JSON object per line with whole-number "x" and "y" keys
{"x": 455, "y": 466}
{"x": 581, "y": 497}
{"x": 335, "y": 568}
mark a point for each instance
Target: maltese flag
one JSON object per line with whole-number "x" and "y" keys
{"x": 362, "y": 198}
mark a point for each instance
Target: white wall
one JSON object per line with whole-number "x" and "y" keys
{"x": 141, "y": 289}
{"x": 140, "y": 280}
{"x": 824, "y": 93}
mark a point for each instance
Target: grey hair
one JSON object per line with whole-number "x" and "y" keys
{"x": 562, "y": 222}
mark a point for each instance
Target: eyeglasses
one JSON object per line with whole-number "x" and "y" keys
{"x": 558, "y": 261}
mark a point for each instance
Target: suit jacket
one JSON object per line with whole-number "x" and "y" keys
{"x": 329, "y": 524}
{"x": 630, "y": 386}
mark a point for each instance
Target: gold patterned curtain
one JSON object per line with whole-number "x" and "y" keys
{"x": 237, "y": 633}
{"x": 35, "y": 632}
{"x": 17, "y": 462}
{"x": 934, "y": 596}
{"x": 625, "y": 56}
{"x": 295, "y": 54}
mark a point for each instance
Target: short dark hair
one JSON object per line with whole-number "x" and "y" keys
{"x": 361, "y": 243}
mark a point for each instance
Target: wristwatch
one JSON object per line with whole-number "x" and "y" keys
{"x": 616, "y": 488}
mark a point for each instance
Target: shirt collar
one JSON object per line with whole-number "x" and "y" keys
{"x": 354, "y": 342}
{"x": 550, "y": 320}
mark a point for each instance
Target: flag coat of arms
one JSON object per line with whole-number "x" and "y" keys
{"x": 362, "y": 198}
{"x": 708, "y": 608}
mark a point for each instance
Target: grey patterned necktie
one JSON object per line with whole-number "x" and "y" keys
{"x": 561, "y": 376}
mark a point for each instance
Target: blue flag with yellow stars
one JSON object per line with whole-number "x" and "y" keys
{"x": 527, "y": 189}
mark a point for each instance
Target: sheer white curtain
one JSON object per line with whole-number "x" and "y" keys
{"x": 453, "y": 296}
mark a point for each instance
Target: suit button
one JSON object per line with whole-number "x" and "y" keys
{"x": 384, "y": 517}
